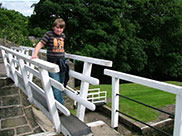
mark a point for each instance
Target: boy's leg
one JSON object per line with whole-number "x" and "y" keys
{"x": 57, "y": 93}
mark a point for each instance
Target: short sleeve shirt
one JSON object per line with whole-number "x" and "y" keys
{"x": 55, "y": 46}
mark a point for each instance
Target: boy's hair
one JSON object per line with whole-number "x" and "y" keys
{"x": 60, "y": 22}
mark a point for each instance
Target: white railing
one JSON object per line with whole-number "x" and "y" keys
{"x": 21, "y": 69}
{"x": 116, "y": 76}
{"x": 17, "y": 66}
{"x": 97, "y": 96}
{"x": 85, "y": 76}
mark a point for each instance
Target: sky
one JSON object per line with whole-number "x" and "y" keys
{"x": 22, "y": 6}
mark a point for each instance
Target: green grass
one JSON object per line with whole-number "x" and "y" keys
{"x": 150, "y": 96}
{"x": 73, "y": 111}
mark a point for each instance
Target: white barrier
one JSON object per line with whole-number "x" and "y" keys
{"x": 116, "y": 76}
{"x": 21, "y": 69}
{"x": 20, "y": 76}
{"x": 85, "y": 76}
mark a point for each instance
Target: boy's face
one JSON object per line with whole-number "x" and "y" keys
{"x": 58, "y": 30}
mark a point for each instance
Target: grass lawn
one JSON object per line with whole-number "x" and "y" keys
{"x": 150, "y": 96}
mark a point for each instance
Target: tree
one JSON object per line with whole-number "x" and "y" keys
{"x": 14, "y": 27}
{"x": 160, "y": 27}
{"x": 99, "y": 29}
{"x": 136, "y": 35}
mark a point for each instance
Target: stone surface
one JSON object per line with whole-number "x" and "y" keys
{"x": 30, "y": 117}
{"x": 42, "y": 120}
{"x": 5, "y": 81}
{"x": 11, "y": 112}
{"x": 8, "y": 132}
{"x": 104, "y": 130}
{"x": 2, "y": 71}
{"x": 13, "y": 122}
{"x": 24, "y": 98}
{"x": 23, "y": 129}
{"x": 38, "y": 130}
{"x": 5, "y": 91}
{"x": 11, "y": 100}
{"x": 0, "y": 102}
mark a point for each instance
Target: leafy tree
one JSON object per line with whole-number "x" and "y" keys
{"x": 14, "y": 27}
{"x": 94, "y": 29}
{"x": 137, "y": 35}
{"x": 160, "y": 27}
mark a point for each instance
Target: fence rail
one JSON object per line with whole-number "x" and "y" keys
{"x": 85, "y": 76}
{"x": 21, "y": 69}
{"x": 170, "y": 114}
{"x": 116, "y": 76}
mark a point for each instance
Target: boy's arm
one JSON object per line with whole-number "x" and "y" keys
{"x": 36, "y": 51}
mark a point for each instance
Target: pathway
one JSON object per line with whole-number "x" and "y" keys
{"x": 16, "y": 116}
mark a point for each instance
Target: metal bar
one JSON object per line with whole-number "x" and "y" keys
{"x": 171, "y": 115}
{"x": 144, "y": 123}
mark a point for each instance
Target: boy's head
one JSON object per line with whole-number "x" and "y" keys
{"x": 58, "y": 26}
{"x": 59, "y": 22}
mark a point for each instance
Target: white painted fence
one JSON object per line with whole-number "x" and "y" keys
{"x": 21, "y": 69}
{"x": 97, "y": 96}
{"x": 85, "y": 76}
{"x": 116, "y": 76}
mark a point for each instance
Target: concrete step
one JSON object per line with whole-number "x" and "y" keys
{"x": 100, "y": 128}
{"x": 75, "y": 127}
{"x": 15, "y": 111}
{"x": 45, "y": 134}
{"x": 4, "y": 81}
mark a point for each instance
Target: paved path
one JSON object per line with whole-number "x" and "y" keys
{"x": 2, "y": 68}
{"x": 16, "y": 116}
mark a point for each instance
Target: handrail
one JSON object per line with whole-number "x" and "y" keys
{"x": 41, "y": 63}
{"x": 174, "y": 89}
{"x": 77, "y": 57}
{"x": 145, "y": 81}
{"x": 20, "y": 67}
{"x": 85, "y": 76}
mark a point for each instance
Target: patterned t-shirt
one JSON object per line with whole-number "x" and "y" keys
{"x": 55, "y": 46}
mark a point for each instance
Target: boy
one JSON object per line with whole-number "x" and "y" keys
{"x": 54, "y": 40}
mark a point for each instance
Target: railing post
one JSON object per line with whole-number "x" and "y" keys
{"x": 115, "y": 102}
{"x": 5, "y": 62}
{"x": 12, "y": 66}
{"x": 178, "y": 116}
{"x": 50, "y": 99}
{"x": 25, "y": 79}
{"x": 32, "y": 66}
{"x": 84, "y": 90}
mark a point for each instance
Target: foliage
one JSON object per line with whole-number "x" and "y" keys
{"x": 37, "y": 32}
{"x": 141, "y": 37}
{"x": 160, "y": 27}
{"x": 14, "y": 27}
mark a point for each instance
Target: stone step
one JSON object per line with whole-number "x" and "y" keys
{"x": 100, "y": 128}
{"x": 4, "y": 81}
{"x": 8, "y": 90}
{"x": 45, "y": 134}
{"x": 74, "y": 126}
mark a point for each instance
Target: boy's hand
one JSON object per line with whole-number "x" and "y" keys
{"x": 34, "y": 57}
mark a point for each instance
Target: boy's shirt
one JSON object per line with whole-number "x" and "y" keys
{"x": 55, "y": 46}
